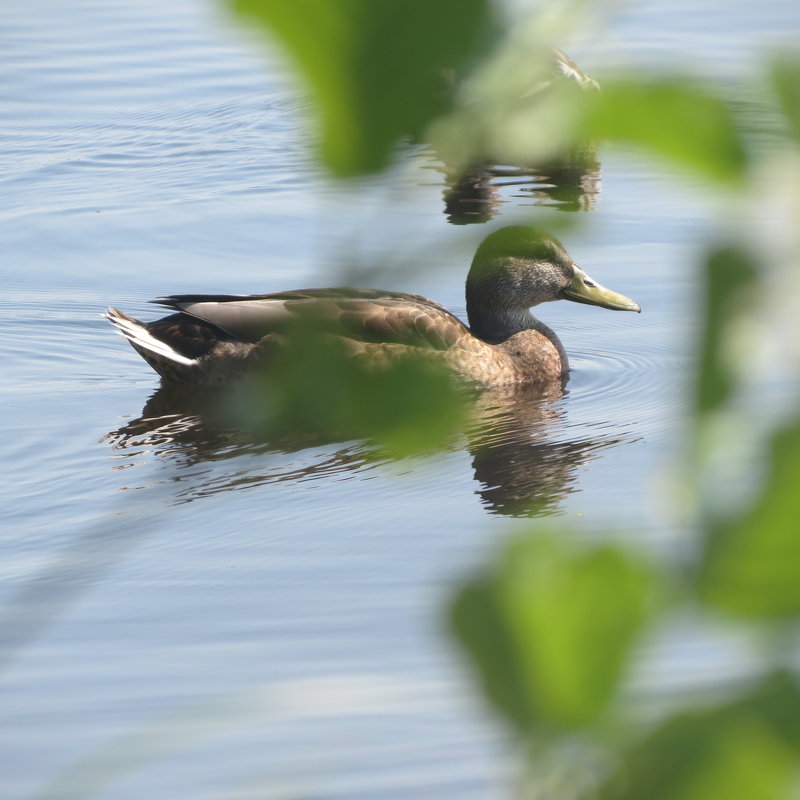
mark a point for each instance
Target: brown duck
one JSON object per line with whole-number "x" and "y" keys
{"x": 213, "y": 338}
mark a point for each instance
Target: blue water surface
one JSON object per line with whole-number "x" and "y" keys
{"x": 187, "y": 615}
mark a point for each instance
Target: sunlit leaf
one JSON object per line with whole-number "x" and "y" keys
{"x": 730, "y": 287}
{"x": 518, "y": 111}
{"x": 786, "y": 82}
{"x": 550, "y": 628}
{"x": 316, "y": 385}
{"x": 752, "y": 563}
{"x": 747, "y": 750}
{"x": 676, "y": 119}
{"x": 377, "y": 69}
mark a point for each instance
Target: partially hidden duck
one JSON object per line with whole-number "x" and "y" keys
{"x": 212, "y": 339}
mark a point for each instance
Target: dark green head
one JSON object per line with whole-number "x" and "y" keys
{"x": 521, "y": 242}
{"x": 518, "y": 267}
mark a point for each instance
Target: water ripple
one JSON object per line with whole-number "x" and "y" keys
{"x": 631, "y": 383}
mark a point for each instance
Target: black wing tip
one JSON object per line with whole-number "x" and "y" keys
{"x": 169, "y": 301}
{"x": 177, "y": 301}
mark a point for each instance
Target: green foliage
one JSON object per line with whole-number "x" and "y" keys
{"x": 752, "y": 563}
{"x": 316, "y": 385}
{"x": 674, "y": 118}
{"x": 745, "y": 750}
{"x": 508, "y": 119}
{"x": 551, "y": 626}
{"x": 776, "y": 700}
{"x": 786, "y": 83}
{"x": 697, "y": 756}
{"x": 730, "y": 289}
{"x": 378, "y": 70}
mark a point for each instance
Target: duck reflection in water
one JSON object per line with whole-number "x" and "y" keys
{"x": 526, "y": 456}
{"x": 475, "y": 195}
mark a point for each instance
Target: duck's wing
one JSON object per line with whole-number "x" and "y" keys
{"x": 361, "y": 314}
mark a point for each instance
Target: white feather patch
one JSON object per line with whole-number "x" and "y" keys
{"x": 137, "y": 334}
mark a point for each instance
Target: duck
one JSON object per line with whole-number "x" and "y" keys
{"x": 211, "y": 339}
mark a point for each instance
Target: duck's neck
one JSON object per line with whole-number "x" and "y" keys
{"x": 495, "y": 325}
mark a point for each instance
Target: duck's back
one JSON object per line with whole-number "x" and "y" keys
{"x": 212, "y": 338}
{"x": 362, "y": 314}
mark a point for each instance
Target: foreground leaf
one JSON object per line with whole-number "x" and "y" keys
{"x": 786, "y": 82}
{"x": 731, "y": 280}
{"x": 752, "y": 563}
{"x": 676, "y": 119}
{"x": 315, "y": 385}
{"x": 747, "y": 750}
{"x": 377, "y": 69}
{"x": 550, "y": 629}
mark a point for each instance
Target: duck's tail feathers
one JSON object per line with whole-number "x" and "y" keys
{"x": 166, "y": 361}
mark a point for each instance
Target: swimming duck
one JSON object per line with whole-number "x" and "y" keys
{"x": 213, "y": 338}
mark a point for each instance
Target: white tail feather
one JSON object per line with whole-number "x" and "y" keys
{"x": 138, "y": 336}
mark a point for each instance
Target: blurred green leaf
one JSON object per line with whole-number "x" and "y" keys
{"x": 776, "y": 699}
{"x": 677, "y": 119}
{"x": 786, "y": 82}
{"x": 744, "y": 751}
{"x": 517, "y": 109}
{"x": 752, "y": 563}
{"x": 730, "y": 286}
{"x": 377, "y": 69}
{"x": 550, "y": 628}
{"x": 316, "y": 384}
{"x": 694, "y": 757}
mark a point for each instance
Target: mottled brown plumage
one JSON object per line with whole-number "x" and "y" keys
{"x": 213, "y": 338}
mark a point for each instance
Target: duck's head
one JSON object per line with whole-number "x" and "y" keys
{"x": 518, "y": 267}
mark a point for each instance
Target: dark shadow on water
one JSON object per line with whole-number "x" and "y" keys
{"x": 526, "y": 455}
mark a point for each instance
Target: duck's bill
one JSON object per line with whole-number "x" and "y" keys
{"x": 584, "y": 289}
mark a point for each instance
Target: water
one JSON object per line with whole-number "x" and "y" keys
{"x": 190, "y": 615}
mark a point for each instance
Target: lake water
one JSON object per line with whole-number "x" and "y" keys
{"x": 187, "y": 615}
